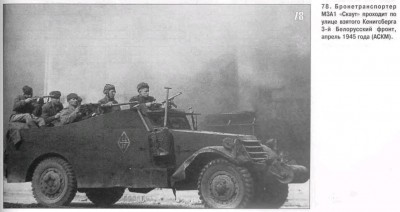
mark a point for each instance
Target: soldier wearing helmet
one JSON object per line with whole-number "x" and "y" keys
{"x": 107, "y": 102}
{"x": 51, "y": 110}
{"x": 143, "y": 98}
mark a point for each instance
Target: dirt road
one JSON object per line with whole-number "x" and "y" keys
{"x": 19, "y": 195}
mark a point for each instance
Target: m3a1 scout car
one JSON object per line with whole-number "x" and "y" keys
{"x": 139, "y": 151}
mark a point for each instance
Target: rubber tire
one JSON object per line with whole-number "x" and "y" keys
{"x": 68, "y": 189}
{"x": 104, "y": 197}
{"x": 272, "y": 195}
{"x": 241, "y": 175}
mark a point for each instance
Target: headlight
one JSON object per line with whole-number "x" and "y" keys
{"x": 228, "y": 143}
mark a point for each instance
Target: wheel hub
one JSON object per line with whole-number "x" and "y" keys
{"x": 222, "y": 187}
{"x": 51, "y": 183}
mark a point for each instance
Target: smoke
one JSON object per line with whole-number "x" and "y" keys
{"x": 224, "y": 58}
{"x": 275, "y": 86}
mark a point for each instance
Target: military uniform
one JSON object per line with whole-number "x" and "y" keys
{"x": 106, "y": 100}
{"x": 50, "y": 109}
{"x": 27, "y": 112}
{"x": 141, "y": 99}
{"x": 69, "y": 114}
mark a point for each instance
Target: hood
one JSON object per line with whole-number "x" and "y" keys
{"x": 195, "y": 140}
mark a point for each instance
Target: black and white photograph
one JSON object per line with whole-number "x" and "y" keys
{"x": 214, "y": 104}
{"x": 156, "y": 106}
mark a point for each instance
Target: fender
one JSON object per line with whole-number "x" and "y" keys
{"x": 180, "y": 174}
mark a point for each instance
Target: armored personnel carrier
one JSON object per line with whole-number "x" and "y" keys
{"x": 139, "y": 150}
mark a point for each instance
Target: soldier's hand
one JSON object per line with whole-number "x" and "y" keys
{"x": 77, "y": 109}
{"x": 108, "y": 104}
{"x": 57, "y": 116}
{"x": 41, "y": 101}
{"x": 28, "y": 100}
{"x": 148, "y": 104}
{"x": 172, "y": 103}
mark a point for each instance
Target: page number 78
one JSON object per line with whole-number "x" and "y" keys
{"x": 299, "y": 16}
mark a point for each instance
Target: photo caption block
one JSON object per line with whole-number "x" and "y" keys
{"x": 358, "y": 21}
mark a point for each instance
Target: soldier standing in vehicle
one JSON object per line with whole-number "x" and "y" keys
{"x": 71, "y": 113}
{"x": 144, "y": 99}
{"x": 107, "y": 102}
{"x": 28, "y": 109}
{"x": 51, "y": 110}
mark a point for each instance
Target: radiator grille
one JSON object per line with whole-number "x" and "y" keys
{"x": 255, "y": 150}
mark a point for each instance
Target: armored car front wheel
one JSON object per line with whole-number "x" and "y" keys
{"x": 272, "y": 194}
{"x": 104, "y": 197}
{"x": 222, "y": 184}
{"x": 54, "y": 183}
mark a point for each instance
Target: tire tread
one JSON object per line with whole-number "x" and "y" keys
{"x": 71, "y": 186}
{"x": 245, "y": 174}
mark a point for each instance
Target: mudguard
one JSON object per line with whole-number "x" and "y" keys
{"x": 180, "y": 174}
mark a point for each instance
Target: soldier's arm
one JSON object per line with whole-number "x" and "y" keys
{"x": 133, "y": 99}
{"x": 18, "y": 103}
{"x": 67, "y": 117}
{"x": 103, "y": 102}
{"x": 46, "y": 116}
{"x": 150, "y": 102}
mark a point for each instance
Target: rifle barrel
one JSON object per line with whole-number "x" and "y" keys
{"x": 38, "y": 97}
{"x": 119, "y": 104}
{"x": 126, "y": 103}
{"x": 172, "y": 97}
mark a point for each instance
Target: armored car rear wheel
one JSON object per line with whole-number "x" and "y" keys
{"x": 222, "y": 184}
{"x": 272, "y": 194}
{"x": 54, "y": 183}
{"x": 104, "y": 197}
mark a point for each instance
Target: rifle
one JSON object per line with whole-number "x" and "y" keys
{"x": 35, "y": 98}
{"x": 42, "y": 97}
{"x": 119, "y": 104}
{"x": 172, "y": 97}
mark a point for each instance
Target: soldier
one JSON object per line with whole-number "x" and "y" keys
{"x": 51, "y": 110}
{"x": 71, "y": 113}
{"x": 27, "y": 109}
{"x": 108, "y": 100}
{"x": 143, "y": 98}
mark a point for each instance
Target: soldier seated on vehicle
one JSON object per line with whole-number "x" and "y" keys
{"x": 51, "y": 110}
{"x": 107, "y": 102}
{"x": 144, "y": 99}
{"x": 28, "y": 109}
{"x": 71, "y": 113}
